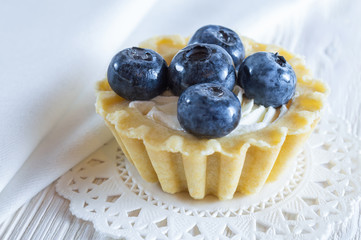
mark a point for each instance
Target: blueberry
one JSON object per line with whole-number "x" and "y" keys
{"x": 137, "y": 74}
{"x": 267, "y": 78}
{"x": 221, "y": 36}
{"x": 201, "y": 63}
{"x": 208, "y": 110}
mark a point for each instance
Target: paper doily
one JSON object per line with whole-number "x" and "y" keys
{"x": 318, "y": 199}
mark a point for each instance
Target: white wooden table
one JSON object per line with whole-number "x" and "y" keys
{"x": 47, "y": 216}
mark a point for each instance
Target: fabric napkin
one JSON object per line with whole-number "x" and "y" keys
{"x": 51, "y": 55}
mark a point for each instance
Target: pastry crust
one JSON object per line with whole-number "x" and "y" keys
{"x": 222, "y": 166}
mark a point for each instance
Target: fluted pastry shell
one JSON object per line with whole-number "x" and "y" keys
{"x": 222, "y": 166}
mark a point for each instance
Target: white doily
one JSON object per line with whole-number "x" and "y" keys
{"x": 318, "y": 199}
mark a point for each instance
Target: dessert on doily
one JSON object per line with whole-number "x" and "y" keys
{"x": 212, "y": 122}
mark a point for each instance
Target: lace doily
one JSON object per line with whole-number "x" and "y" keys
{"x": 317, "y": 199}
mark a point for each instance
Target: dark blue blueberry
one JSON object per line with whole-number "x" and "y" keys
{"x": 208, "y": 110}
{"x": 201, "y": 63}
{"x": 137, "y": 74}
{"x": 221, "y": 36}
{"x": 267, "y": 78}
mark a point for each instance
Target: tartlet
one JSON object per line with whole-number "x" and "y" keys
{"x": 242, "y": 163}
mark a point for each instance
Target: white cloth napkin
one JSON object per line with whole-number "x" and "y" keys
{"x": 51, "y": 55}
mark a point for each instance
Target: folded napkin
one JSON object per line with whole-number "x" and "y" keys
{"x": 51, "y": 55}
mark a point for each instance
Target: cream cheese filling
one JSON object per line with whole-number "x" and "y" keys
{"x": 163, "y": 109}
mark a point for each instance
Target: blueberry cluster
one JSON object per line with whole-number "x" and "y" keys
{"x": 203, "y": 74}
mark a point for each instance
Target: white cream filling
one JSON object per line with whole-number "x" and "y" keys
{"x": 163, "y": 109}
